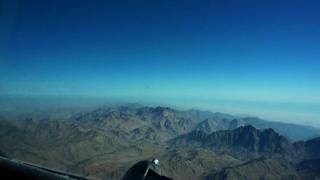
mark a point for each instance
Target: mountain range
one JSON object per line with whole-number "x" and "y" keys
{"x": 190, "y": 144}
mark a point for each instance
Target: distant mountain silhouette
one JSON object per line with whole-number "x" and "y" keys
{"x": 291, "y": 131}
{"x": 242, "y": 141}
{"x": 170, "y": 122}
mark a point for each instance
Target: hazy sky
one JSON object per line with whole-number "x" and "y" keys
{"x": 218, "y": 49}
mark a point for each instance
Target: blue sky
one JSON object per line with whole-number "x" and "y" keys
{"x": 231, "y": 50}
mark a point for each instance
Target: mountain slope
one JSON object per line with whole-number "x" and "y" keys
{"x": 55, "y": 143}
{"x": 258, "y": 169}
